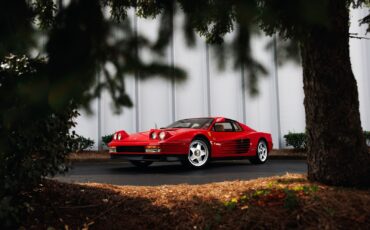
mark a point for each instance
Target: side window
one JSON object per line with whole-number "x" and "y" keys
{"x": 223, "y": 127}
{"x": 206, "y": 125}
{"x": 237, "y": 127}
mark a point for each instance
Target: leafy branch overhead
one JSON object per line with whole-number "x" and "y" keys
{"x": 82, "y": 42}
{"x": 90, "y": 37}
{"x": 103, "y": 43}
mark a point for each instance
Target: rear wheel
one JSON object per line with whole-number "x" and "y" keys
{"x": 261, "y": 153}
{"x": 141, "y": 164}
{"x": 198, "y": 155}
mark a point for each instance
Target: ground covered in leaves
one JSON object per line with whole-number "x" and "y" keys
{"x": 288, "y": 201}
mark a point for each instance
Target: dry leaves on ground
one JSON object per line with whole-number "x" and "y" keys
{"x": 289, "y": 201}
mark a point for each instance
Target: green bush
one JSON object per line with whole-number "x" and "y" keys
{"x": 34, "y": 136}
{"x": 107, "y": 138}
{"x": 297, "y": 140}
{"x": 367, "y": 137}
{"x": 81, "y": 143}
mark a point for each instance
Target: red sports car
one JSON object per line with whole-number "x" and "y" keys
{"x": 194, "y": 142}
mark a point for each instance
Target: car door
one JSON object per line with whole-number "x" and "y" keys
{"x": 229, "y": 139}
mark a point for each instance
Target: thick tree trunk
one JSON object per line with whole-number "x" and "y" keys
{"x": 337, "y": 152}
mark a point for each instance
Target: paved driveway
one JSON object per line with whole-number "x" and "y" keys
{"x": 123, "y": 173}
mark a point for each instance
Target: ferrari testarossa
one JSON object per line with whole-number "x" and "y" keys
{"x": 194, "y": 142}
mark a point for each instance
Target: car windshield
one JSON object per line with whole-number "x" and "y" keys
{"x": 193, "y": 123}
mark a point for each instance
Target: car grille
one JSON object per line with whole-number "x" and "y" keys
{"x": 130, "y": 149}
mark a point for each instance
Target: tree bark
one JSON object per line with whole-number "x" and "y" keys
{"x": 337, "y": 152}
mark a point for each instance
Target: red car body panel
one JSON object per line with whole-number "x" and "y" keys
{"x": 223, "y": 144}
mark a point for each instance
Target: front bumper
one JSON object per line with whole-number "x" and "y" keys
{"x": 143, "y": 151}
{"x": 148, "y": 157}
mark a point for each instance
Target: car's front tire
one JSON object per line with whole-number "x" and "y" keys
{"x": 261, "y": 153}
{"x": 199, "y": 154}
{"x": 141, "y": 164}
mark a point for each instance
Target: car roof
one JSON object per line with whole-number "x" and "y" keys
{"x": 202, "y": 117}
{"x": 217, "y": 117}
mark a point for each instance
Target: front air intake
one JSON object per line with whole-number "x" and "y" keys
{"x": 130, "y": 149}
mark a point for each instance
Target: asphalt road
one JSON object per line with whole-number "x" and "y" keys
{"x": 123, "y": 173}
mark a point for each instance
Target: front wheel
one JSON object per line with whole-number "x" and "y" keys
{"x": 261, "y": 153}
{"x": 199, "y": 154}
{"x": 141, "y": 164}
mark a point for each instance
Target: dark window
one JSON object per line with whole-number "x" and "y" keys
{"x": 223, "y": 127}
{"x": 194, "y": 123}
{"x": 237, "y": 127}
{"x": 227, "y": 126}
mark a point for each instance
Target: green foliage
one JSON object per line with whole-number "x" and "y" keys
{"x": 306, "y": 189}
{"x": 80, "y": 143}
{"x": 297, "y": 140}
{"x": 286, "y": 50}
{"x": 107, "y": 138}
{"x": 83, "y": 41}
{"x": 367, "y": 135}
{"x": 45, "y": 10}
{"x": 104, "y": 46}
{"x": 365, "y": 4}
{"x": 293, "y": 18}
{"x": 33, "y": 136}
{"x": 291, "y": 200}
{"x": 261, "y": 192}
{"x": 231, "y": 204}
{"x": 16, "y": 32}
{"x": 273, "y": 195}
{"x": 214, "y": 19}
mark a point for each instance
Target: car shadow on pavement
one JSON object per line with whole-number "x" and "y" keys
{"x": 176, "y": 168}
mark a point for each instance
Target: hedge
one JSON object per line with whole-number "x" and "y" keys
{"x": 107, "y": 138}
{"x": 81, "y": 143}
{"x": 299, "y": 140}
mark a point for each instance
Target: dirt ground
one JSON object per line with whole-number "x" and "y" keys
{"x": 288, "y": 201}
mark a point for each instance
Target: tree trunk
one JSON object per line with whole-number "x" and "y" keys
{"x": 337, "y": 152}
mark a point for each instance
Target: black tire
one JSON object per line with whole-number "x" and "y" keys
{"x": 201, "y": 161}
{"x": 261, "y": 153}
{"x": 141, "y": 164}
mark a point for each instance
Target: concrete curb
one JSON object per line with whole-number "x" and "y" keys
{"x": 288, "y": 157}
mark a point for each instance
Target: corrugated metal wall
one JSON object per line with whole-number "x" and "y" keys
{"x": 208, "y": 90}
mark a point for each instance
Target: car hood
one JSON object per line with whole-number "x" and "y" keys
{"x": 144, "y": 136}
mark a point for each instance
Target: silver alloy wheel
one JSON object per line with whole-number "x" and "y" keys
{"x": 262, "y": 151}
{"x": 198, "y": 153}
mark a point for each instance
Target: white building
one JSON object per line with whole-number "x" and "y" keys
{"x": 208, "y": 91}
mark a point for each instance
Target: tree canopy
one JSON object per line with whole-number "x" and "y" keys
{"x": 81, "y": 37}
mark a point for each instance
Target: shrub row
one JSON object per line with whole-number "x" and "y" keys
{"x": 81, "y": 143}
{"x": 107, "y": 138}
{"x": 299, "y": 140}
{"x": 367, "y": 136}
{"x": 296, "y": 140}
